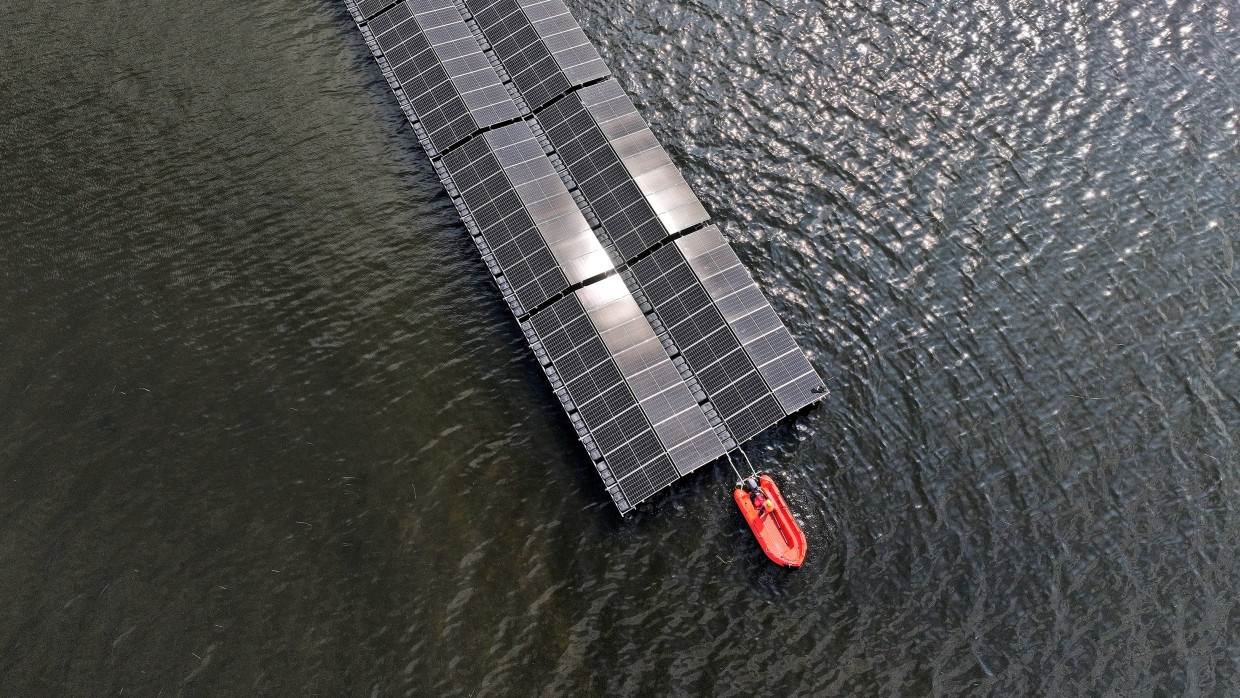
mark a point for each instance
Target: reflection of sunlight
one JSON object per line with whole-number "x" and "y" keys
{"x": 603, "y": 293}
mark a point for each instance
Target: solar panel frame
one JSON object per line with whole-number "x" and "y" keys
{"x": 699, "y": 333}
{"x": 647, "y": 162}
{"x": 363, "y": 10}
{"x": 559, "y": 221}
{"x": 627, "y": 222}
{"x": 503, "y": 222}
{"x": 675, "y": 414}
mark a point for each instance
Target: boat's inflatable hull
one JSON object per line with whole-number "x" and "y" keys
{"x": 778, "y": 533}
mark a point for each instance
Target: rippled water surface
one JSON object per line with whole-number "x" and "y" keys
{"x": 266, "y": 427}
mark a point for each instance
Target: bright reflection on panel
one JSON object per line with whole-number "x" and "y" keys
{"x": 559, "y": 221}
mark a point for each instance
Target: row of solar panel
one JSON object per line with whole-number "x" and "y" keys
{"x": 537, "y": 234}
{"x": 632, "y": 394}
{"x": 437, "y": 63}
{"x": 608, "y": 367}
{"x": 634, "y": 188}
{"x": 609, "y": 152}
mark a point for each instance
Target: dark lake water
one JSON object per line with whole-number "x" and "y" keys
{"x": 267, "y": 429}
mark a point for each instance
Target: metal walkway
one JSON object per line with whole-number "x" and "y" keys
{"x": 660, "y": 347}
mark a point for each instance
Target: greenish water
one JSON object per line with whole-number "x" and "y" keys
{"x": 267, "y": 428}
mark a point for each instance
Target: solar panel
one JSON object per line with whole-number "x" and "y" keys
{"x": 440, "y": 71}
{"x": 540, "y": 45}
{"x": 646, "y": 161}
{"x": 678, "y": 420}
{"x": 365, "y": 9}
{"x": 764, "y": 338}
{"x": 637, "y": 193}
{"x": 633, "y": 412}
{"x": 525, "y": 216}
{"x": 699, "y": 333}
{"x": 541, "y": 191}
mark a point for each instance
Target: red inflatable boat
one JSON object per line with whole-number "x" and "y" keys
{"x": 777, "y": 532}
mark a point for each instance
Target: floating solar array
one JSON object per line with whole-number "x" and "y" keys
{"x": 659, "y": 345}
{"x": 763, "y": 337}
